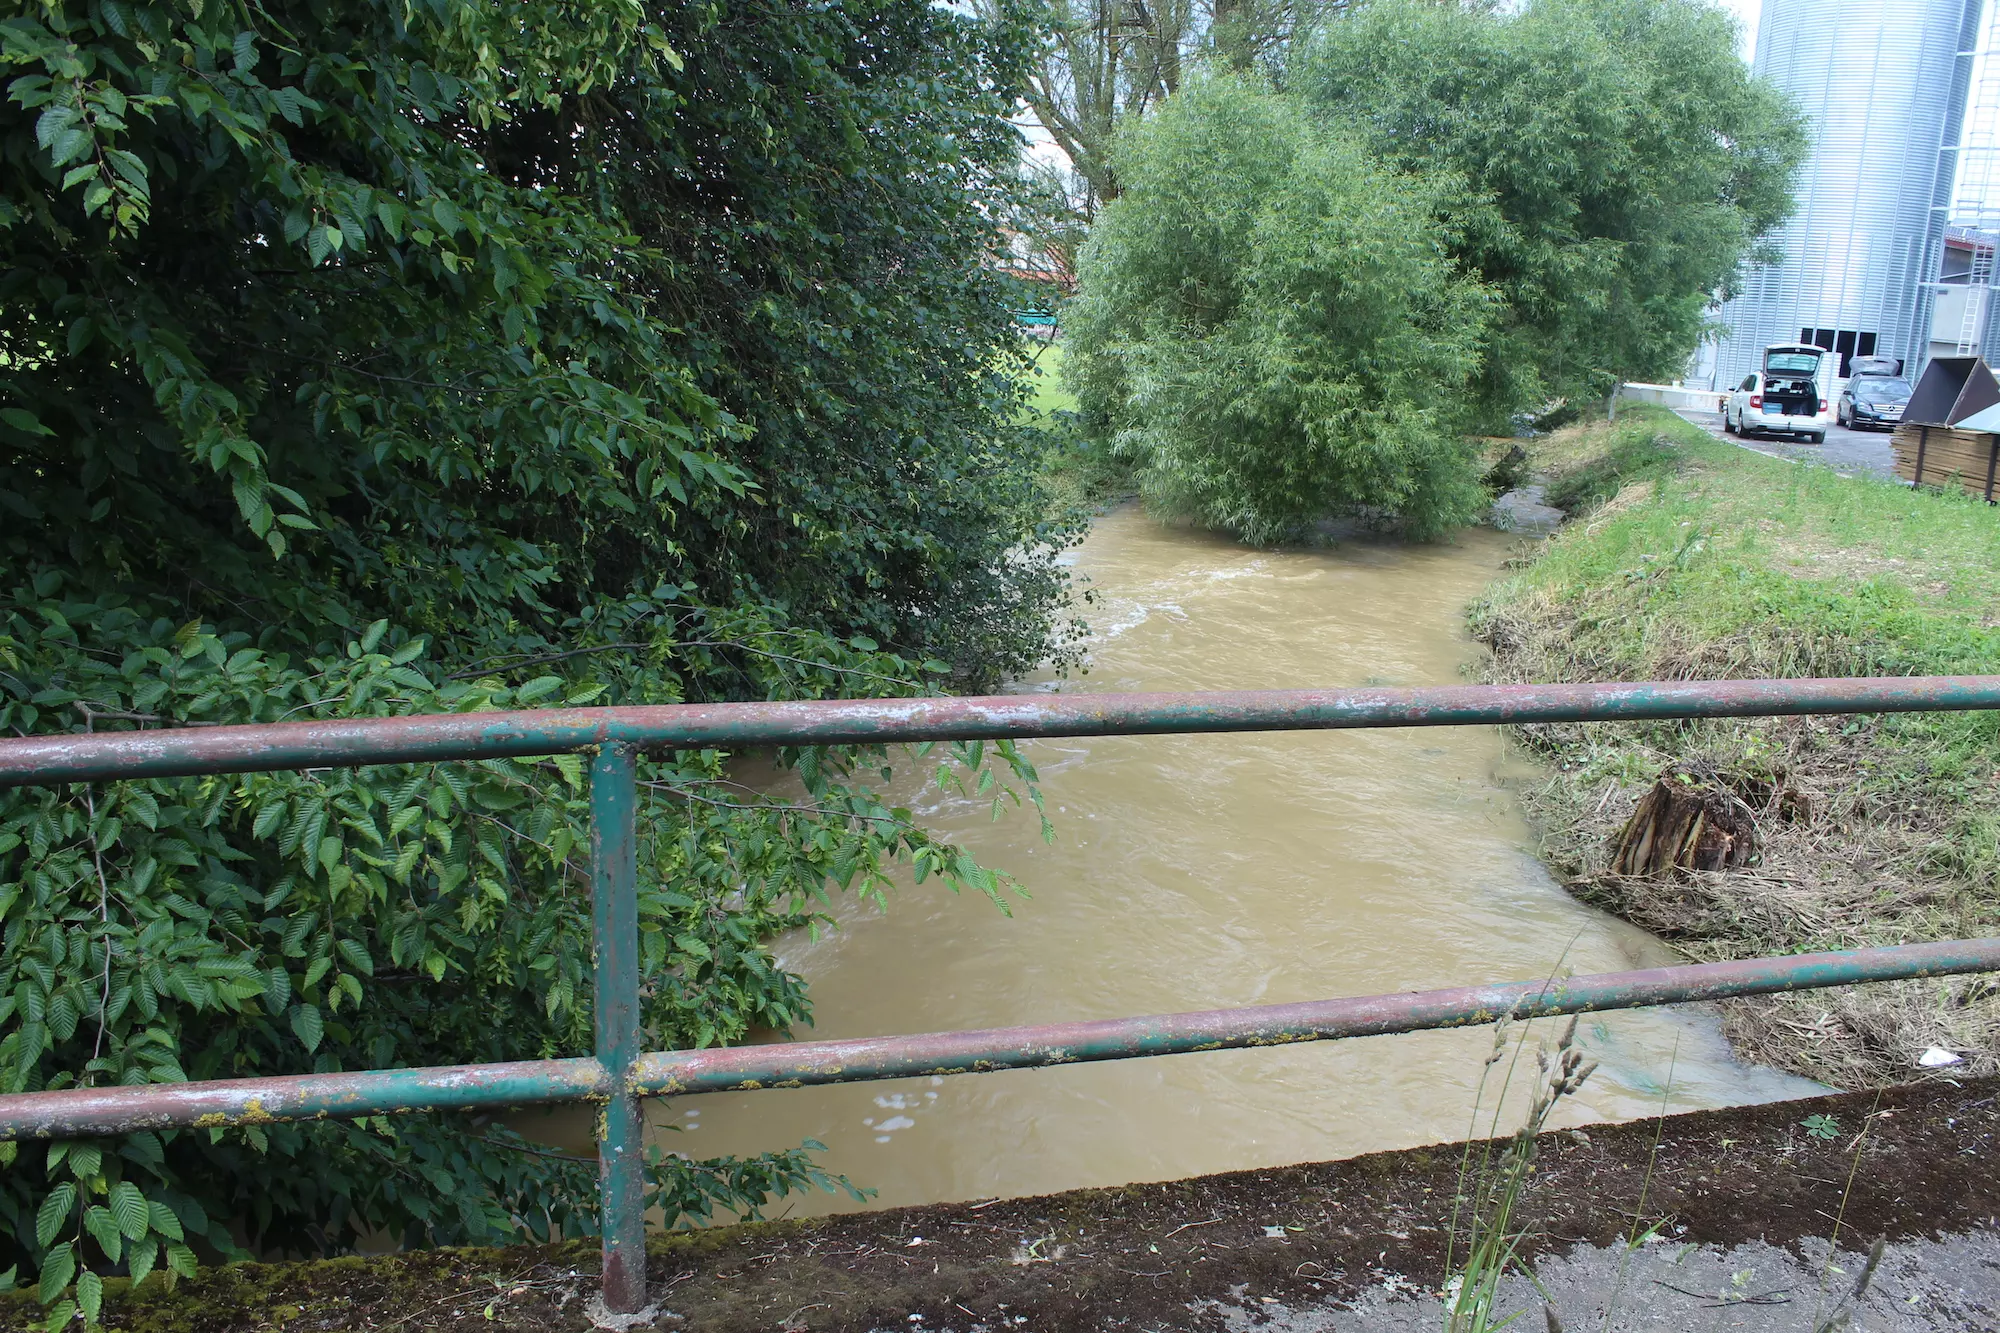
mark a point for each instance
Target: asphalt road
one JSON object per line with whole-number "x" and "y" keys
{"x": 1846, "y": 451}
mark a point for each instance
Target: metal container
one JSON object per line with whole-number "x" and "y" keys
{"x": 1883, "y": 85}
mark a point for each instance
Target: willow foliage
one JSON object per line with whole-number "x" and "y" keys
{"x": 1453, "y": 213}
{"x": 1267, "y": 323}
{"x": 1608, "y": 167}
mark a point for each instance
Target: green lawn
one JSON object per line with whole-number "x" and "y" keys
{"x": 1690, "y": 541}
{"x": 1049, "y": 395}
{"x": 1078, "y": 477}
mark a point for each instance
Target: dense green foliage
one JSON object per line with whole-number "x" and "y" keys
{"x": 1609, "y": 165}
{"x": 1268, "y": 324}
{"x": 363, "y": 359}
{"x": 1451, "y": 214}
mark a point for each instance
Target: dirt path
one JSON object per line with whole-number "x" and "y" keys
{"x": 1336, "y": 1246}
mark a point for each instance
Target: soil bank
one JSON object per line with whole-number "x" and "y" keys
{"x": 1219, "y": 1252}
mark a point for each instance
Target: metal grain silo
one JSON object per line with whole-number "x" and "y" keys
{"x": 1883, "y": 86}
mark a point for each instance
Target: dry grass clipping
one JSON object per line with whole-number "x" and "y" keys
{"x": 1848, "y": 860}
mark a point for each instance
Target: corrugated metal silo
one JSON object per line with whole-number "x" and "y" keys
{"x": 1883, "y": 85}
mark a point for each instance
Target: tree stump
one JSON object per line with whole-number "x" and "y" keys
{"x": 1682, "y": 824}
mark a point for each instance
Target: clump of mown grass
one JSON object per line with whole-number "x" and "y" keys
{"x": 1690, "y": 558}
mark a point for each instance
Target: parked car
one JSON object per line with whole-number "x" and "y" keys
{"x": 1873, "y": 401}
{"x": 1782, "y": 398}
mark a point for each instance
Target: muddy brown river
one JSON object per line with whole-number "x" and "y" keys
{"x": 1195, "y": 872}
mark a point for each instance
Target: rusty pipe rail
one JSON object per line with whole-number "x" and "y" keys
{"x": 347, "y": 742}
{"x": 619, "y": 1074}
{"x": 76, "y": 1112}
{"x": 865, "y": 1059}
{"x": 229, "y": 1102}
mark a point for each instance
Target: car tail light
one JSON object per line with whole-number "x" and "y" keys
{"x": 1756, "y": 400}
{"x": 1822, "y": 404}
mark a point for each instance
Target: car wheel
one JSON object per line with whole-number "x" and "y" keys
{"x": 1819, "y": 438}
{"x": 1728, "y": 428}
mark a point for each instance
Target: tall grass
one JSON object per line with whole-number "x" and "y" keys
{"x": 1489, "y": 1193}
{"x": 1687, "y": 557}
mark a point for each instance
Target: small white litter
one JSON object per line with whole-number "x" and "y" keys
{"x": 1937, "y": 1057}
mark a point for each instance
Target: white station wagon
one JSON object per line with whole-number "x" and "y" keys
{"x": 1781, "y": 399}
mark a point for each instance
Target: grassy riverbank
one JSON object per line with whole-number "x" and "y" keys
{"x": 1076, "y": 474}
{"x": 1687, "y": 557}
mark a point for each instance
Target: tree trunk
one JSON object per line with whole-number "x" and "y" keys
{"x": 1682, "y": 825}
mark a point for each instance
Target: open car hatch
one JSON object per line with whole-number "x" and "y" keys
{"x": 1792, "y": 361}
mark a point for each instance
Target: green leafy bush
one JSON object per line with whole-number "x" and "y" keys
{"x": 1267, "y": 324}
{"x": 359, "y": 359}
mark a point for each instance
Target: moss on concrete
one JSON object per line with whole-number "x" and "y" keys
{"x": 1181, "y": 1255}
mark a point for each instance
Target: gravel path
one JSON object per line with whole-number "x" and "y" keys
{"x": 1851, "y": 452}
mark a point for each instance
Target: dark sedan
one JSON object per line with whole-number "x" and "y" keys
{"x": 1873, "y": 401}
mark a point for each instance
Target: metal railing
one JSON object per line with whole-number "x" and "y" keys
{"x": 619, "y": 1073}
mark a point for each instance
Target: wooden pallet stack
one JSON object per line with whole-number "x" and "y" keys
{"x": 1950, "y": 432}
{"x": 1944, "y": 455}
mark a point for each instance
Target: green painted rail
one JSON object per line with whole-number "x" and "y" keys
{"x": 618, "y": 1074}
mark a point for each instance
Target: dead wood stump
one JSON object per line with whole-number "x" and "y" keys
{"x": 1684, "y": 824}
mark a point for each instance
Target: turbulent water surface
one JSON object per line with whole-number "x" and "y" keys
{"x": 1193, "y": 872}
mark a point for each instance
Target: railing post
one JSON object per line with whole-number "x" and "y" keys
{"x": 614, "y": 856}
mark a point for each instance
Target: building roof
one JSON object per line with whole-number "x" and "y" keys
{"x": 1968, "y": 238}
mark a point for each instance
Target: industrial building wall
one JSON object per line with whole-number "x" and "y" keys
{"x": 1883, "y": 85}
{"x": 1975, "y": 213}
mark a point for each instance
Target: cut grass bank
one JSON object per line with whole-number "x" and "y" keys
{"x": 1686, "y": 558}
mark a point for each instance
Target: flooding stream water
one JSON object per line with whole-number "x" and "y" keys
{"x": 1194, "y": 872}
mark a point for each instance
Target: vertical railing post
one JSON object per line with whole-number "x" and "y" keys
{"x": 614, "y": 857}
